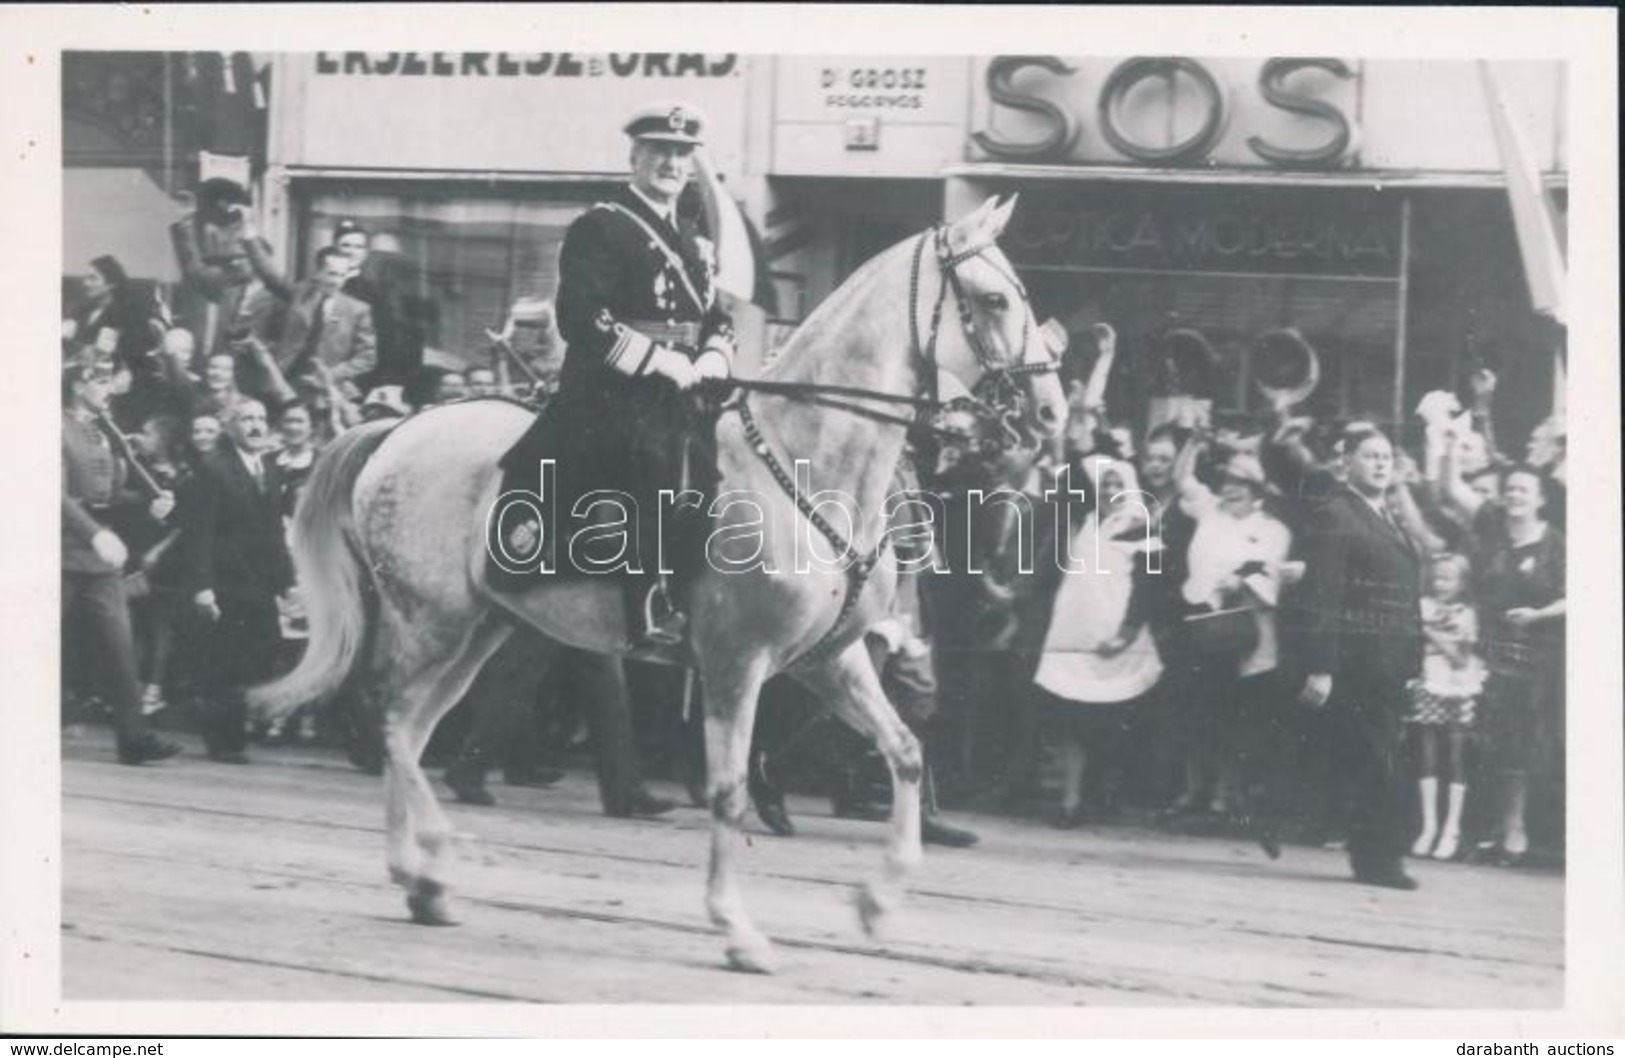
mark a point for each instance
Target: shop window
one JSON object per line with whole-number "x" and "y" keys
{"x": 1219, "y": 270}
{"x": 456, "y": 263}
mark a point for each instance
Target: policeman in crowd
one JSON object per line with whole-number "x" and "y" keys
{"x": 95, "y": 493}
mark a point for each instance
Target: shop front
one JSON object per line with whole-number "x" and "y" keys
{"x": 855, "y": 157}
{"x": 1223, "y": 203}
{"x": 465, "y": 224}
{"x": 1224, "y": 268}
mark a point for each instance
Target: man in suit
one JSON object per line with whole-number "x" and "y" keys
{"x": 1362, "y": 637}
{"x": 237, "y": 565}
{"x": 637, "y": 305}
{"x": 328, "y": 342}
{"x": 95, "y": 612}
{"x": 398, "y": 360}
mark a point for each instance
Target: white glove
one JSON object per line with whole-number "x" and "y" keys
{"x": 1317, "y": 688}
{"x": 206, "y": 605}
{"x": 713, "y": 364}
{"x": 109, "y": 548}
{"x": 675, "y": 366}
{"x": 161, "y": 506}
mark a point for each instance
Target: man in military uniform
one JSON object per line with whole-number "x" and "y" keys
{"x": 638, "y": 309}
{"x": 95, "y": 612}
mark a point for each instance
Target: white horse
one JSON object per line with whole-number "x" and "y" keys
{"x": 389, "y": 546}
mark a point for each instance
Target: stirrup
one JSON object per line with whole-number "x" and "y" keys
{"x": 667, "y": 629}
{"x": 525, "y": 537}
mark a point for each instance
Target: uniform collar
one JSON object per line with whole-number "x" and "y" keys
{"x": 667, "y": 213}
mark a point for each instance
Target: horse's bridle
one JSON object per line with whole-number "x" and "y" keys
{"x": 948, "y": 264}
{"x": 998, "y": 375}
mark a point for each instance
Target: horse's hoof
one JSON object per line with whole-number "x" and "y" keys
{"x": 427, "y": 902}
{"x": 402, "y": 877}
{"x": 752, "y": 957}
{"x": 873, "y": 908}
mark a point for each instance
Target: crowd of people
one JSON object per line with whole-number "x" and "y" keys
{"x": 1305, "y": 631}
{"x": 188, "y": 431}
{"x": 1293, "y": 630}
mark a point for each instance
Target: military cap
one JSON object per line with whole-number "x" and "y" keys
{"x": 87, "y": 362}
{"x": 666, "y": 122}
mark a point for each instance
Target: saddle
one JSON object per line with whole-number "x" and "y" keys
{"x": 599, "y": 513}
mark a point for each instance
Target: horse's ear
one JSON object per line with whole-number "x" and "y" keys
{"x": 979, "y": 215}
{"x": 1001, "y": 216}
{"x": 964, "y": 231}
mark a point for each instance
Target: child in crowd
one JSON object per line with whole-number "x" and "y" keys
{"x": 1444, "y": 700}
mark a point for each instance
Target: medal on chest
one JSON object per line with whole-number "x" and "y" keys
{"x": 664, "y": 294}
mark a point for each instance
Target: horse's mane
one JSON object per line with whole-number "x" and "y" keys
{"x": 814, "y": 328}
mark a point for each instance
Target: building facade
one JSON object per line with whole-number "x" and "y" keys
{"x": 1361, "y": 204}
{"x": 468, "y": 167}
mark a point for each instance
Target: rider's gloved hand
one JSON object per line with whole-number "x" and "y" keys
{"x": 713, "y": 364}
{"x": 675, "y": 366}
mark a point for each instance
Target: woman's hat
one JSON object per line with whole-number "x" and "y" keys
{"x": 1245, "y": 469}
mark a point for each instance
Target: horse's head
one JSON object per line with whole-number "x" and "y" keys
{"x": 998, "y": 334}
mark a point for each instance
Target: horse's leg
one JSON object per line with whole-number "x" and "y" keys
{"x": 849, "y": 685}
{"x": 445, "y": 663}
{"x": 732, "y": 684}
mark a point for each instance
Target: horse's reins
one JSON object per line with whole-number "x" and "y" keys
{"x": 861, "y": 566}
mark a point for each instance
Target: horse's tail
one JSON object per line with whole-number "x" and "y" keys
{"x": 331, "y": 573}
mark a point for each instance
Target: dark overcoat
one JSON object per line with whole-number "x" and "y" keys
{"x": 1360, "y": 602}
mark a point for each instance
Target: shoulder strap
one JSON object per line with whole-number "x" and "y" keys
{"x": 672, "y": 256}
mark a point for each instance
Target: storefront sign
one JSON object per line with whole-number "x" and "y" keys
{"x": 518, "y": 64}
{"x": 1191, "y": 230}
{"x": 543, "y": 112}
{"x": 1171, "y": 110}
{"x": 861, "y": 87}
{"x": 868, "y": 115}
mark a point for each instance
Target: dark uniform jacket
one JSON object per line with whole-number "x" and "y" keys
{"x": 627, "y": 280}
{"x": 232, "y": 531}
{"x": 1360, "y": 598}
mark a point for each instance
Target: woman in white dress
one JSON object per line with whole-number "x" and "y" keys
{"x": 1237, "y": 561}
{"x": 1099, "y": 659}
